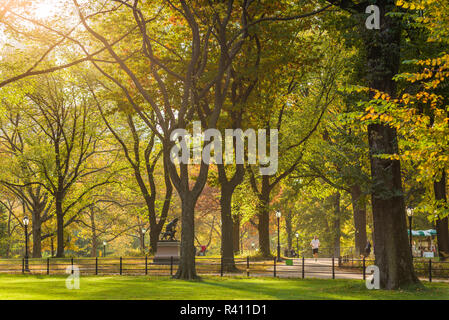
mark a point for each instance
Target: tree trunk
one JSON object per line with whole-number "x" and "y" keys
{"x": 186, "y": 268}
{"x": 52, "y": 247}
{"x": 93, "y": 252}
{"x": 8, "y": 240}
{"x": 227, "y": 229}
{"x": 289, "y": 230}
{"x": 236, "y": 233}
{"x": 337, "y": 225}
{"x": 263, "y": 228}
{"x": 37, "y": 236}
{"x": 442, "y": 224}
{"x": 359, "y": 213}
{"x": 228, "y": 238}
{"x": 59, "y": 228}
{"x": 154, "y": 238}
{"x": 391, "y": 247}
{"x": 264, "y": 219}
{"x": 142, "y": 242}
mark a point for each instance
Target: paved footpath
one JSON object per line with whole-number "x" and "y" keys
{"x": 322, "y": 269}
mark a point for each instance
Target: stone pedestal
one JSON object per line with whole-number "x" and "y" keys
{"x": 166, "y": 250}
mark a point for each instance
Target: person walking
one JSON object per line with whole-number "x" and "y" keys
{"x": 315, "y": 244}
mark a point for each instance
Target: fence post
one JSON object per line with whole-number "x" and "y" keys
{"x": 120, "y": 265}
{"x": 221, "y": 266}
{"x": 247, "y": 266}
{"x": 96, "y": 266}
{"x": 333, "y": 267}
{"x": 339, "y": 261}
{"x": 146, "y": 265}
{"x": 48, "y": 266}
{"x": 274, "y": 267}
{"x": 364, "y": 269}
{"x": 303, "y": 266}
{"x": 430, "y": 270}
{"x": 71, "y": 260}
{"x": 171, "y": 266}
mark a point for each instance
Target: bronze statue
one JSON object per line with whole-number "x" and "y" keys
{"x": 170, "y": 230}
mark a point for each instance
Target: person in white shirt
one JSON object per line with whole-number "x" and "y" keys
{"x": 315, "y": 244}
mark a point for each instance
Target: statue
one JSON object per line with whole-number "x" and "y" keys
{"x": 170, "y": 230}
{"x": 168, "y": 248}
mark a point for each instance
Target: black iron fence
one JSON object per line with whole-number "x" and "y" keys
{"x": 424, "y": 268}
{"x": 329, "y": 268}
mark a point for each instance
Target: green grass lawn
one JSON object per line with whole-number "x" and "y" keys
{"x": 128, "y": 287}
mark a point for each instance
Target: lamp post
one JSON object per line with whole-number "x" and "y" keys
{"x": 253, "y": 245}
{"x": 410, "y": 217}
{"x": 104, "y": 248}
{"x": 297, "y": 243}
{"x": 278, "y": 216}
{"x": 26, "y": 221}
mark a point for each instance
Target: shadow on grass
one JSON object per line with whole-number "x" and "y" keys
{"x": 206, "y": 288}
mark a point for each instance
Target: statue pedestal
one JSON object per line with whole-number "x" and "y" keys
{"x": 166, "y": 250}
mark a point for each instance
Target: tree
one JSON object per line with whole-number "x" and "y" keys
{"x": 425, "y": 97}
{"x": 187, "y": 77}
{"x": 67, "y": 133}
{"x": 295, "y": 106}
{"x": 143, "y": 171}
{"x": 382, "y": 53}
{"x": 20, "y": 177}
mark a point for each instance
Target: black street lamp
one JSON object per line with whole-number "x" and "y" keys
{"x": 410, "y": 217}
{"x": 297, "y": 243}
{"x": 278, "y": 216}
{"x": 104, "y": 248}
{"x": 26, "y": 221}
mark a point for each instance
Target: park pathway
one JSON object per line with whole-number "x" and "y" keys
{"x": 322, "y": 269}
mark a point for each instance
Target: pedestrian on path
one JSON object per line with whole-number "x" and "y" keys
{"x": 315, "y": 244}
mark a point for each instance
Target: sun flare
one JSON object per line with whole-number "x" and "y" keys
{"x": 44, "y": 9}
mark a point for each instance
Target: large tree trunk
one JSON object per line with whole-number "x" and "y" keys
{"x": 38, "y": 217}
{"x": 59, "y": 228}
{"x": 37, "y": 235}
{"x": 337, "y": 225}
{"x": 391, "y": 247}
{"x": 263, "y": 227}
{"x": 227, "y": 229}
{"x": 264, "y": 234}
{"x": 227, "y": 222}
{"x": 442, "y": 224}
{"x": 359, "y": 214}
{"x": 186, "y": 268}
{"x": 154, "y": 238}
